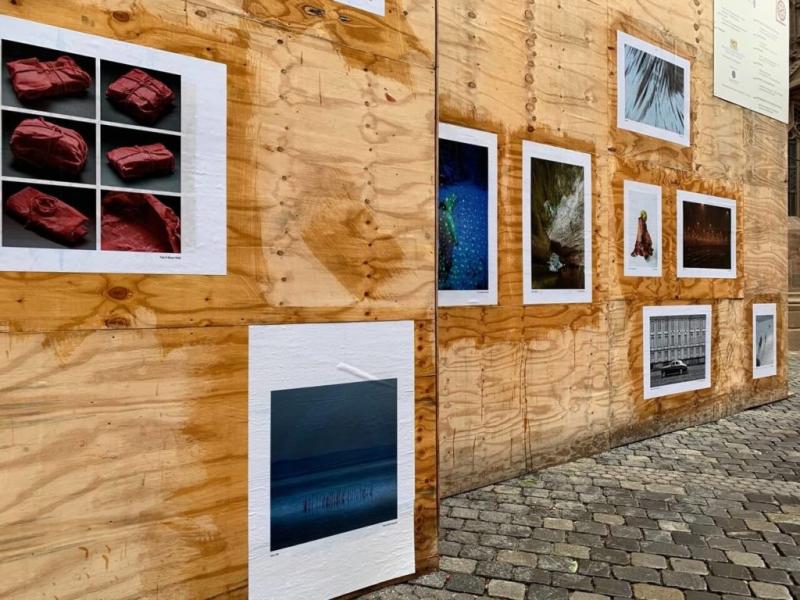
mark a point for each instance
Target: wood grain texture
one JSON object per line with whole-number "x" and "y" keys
{"x": 522, "y": 387}
{"x": 123, "y": 398}
{"x": 341, "y": 219}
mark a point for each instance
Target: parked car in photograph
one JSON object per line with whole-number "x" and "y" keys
{"x": 675, "y": 367}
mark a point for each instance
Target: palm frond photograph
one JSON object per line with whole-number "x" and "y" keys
{"x": 653, "y": 90}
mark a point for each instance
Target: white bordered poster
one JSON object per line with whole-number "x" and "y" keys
{"x": 467, "y": 216}
{"x": 642, "y": 229}
{"x": 556, "y": 225}
{"x": 676, "y": 349}
{"x": 751, "y": 55}
{"x": 653, "y": 90}
{"x": 376, "y": 7}
{"x": 113, "y": 155}
{"x": 331, "y": 458}
{"x": 765, "y": 337}
{"x": 706, "y": 236}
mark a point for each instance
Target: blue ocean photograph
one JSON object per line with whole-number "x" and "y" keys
{"x": 654, "y": 91}
{"x": 463, "y": 216}
{"x": 333, "y": 466}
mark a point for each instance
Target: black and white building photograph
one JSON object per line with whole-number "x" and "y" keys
{"x": 677, "y": 349}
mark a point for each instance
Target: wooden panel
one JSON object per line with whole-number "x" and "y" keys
{"x": 124, "y": 467}
{"x": 342, "y": 218}
{"x": 123, "y": 402}
{"x": 523, "y": 387}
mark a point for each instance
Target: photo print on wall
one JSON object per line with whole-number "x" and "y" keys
{"x": 101, "y": 163}
{"x": 706, "y": 237}
{"x": 556, "y": 224}
{"x": 467, "y": 212}
{"x": 642, "y": 229}
{"x": 653, "y": 90}
{"x": 765, "y": 363}
{"x": 376, "y": 7}
{"x": 331, "y": 457}
{"x": 676, "y": 349}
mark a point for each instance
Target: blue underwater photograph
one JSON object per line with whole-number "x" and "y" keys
{"x": 463, "y": 216}
{"x": 333, "y": 460}
{"x": 654, "y": 91}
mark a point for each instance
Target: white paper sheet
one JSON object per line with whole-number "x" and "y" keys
{"x": 751, "y": 55}
{"x": 201, "y": 193}
{"x": 291, "y": 357}
{"x": 531, "y": 295}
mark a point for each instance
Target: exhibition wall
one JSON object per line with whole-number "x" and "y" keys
{"x": 525, "y": 382}
{"x": 129, "y": 402}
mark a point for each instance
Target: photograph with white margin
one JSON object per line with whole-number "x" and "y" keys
{"x": 765, "y": 338}
{"x": 676, "y": 349}
{"x": 706, "y": 236}
{"x": 556, "y": 225}
{"x": 653, "y": 89}
{"x": 331, "y": 457}
{"x": 467, "y": 217}
{"x": 376, "y": 7}
{"x": 112, "y": 154}
{"x": 642, "y": 229}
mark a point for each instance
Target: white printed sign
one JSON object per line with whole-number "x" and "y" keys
{"x": 751, "y": 55}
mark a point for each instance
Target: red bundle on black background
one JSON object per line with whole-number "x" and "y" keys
{"x": 48, "y": 215}
{"x": 135, "y": 222}
{"x": 141, "y": 96}
{"x": 33, "y": 79}
{"x": 135, "y": 162}
{"x": 44, "y": 144}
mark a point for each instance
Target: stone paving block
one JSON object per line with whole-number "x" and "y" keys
{"x": 494, "y": 569}
{"x": 684, "y": 581}
{"x": 727, "y": 586}
{"x": 770, "y": 591}
{"x": 593, "y": 568}
{"x": 529, "y": 575}
{"x": 644, "y": 591}
{"x": 517, "y": 558}
{"x": 436, "y": 580}
{"x": 558, "y": 563}
{"x": 571, "y": 550}
{"x": 587, "y": 596}
{"x": 746, "y": 559}
{"x": 573, "y": 581}
{"x": 506, "y": 589}
{"x": 685, "y": 565}
{"x": 653, "y": 561}
{"x": 613, "y": 587}
{"x": 562, "y": 524}
{"x": 457, "y": 565}
{"x": 636, "y": 574}
{"x": 546, "y": 592}
{"x": 469, "y": 584}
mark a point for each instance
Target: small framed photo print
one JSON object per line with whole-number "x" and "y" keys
{"x": 467, "y": 213}
{"x": 652, "y": 90}
{"x": 642, "y": 229}
{"x": 676, "y": 349}
{"x": 765, "y": 361}
{"x": 706, "y": 236}
{"x": 556, "y": 225}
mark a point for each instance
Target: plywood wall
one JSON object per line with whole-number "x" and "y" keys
{"x": 526, "y": 386}
{"x": 123, "y": 398}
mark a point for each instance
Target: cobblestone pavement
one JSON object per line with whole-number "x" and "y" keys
{"x": 707, "y": 513}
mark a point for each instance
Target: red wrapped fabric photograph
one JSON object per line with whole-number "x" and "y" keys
{"x": 139, "y": 223}
{"x": 135, "y": 162}
{"x": 45, "y": 145}
{"x": 141, "y": 96}
{"x": 47, "y": 215}
{"x": 33, "y": 79}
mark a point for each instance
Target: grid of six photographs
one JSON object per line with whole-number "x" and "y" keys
{"x": 90, "y": 153}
